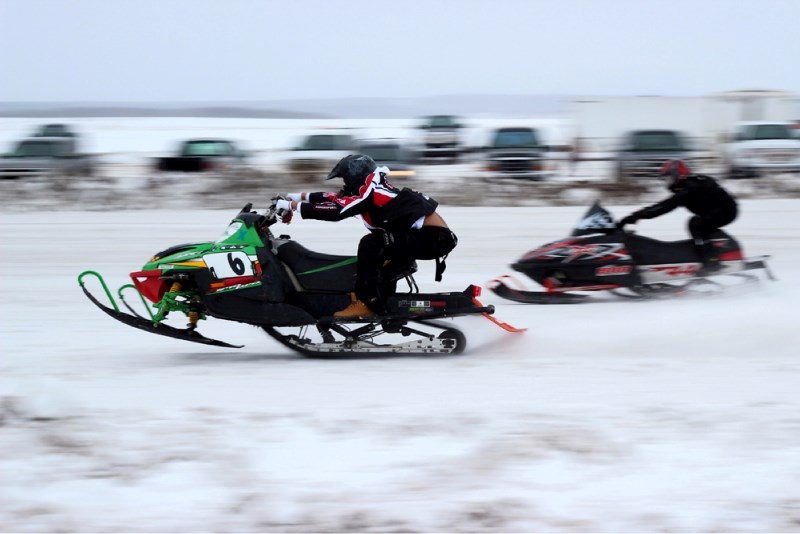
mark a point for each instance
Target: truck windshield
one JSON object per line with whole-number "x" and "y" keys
{"x": 206, "y": 148}
{"x": 657, "y": 141}
{"x": 382, "y": 153}
{"x": 327, "y": 142}
{"x": 442, "y": 121}
{"x": 516, "y": 139}
{"x": 770, "y": 131}
{"x": 39, "y": 149}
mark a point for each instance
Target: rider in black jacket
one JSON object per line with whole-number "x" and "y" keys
{"x": 403, "y": 226}
{"x": 713, "y": 207}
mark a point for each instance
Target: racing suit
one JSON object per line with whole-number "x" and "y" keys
{"x": 713, "y": 207}
{"x": 403, "y": 225}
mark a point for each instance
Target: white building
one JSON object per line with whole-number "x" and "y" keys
{"x": 601, "y": 121}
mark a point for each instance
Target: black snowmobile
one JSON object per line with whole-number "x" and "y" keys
{"x": 251, "y": 276}
{"x": 601, "y": 257}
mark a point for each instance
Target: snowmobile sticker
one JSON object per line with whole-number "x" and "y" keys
{"x": 235, "y": 287}
{"x": 229, "y": 264}
{"x": 421, "y": 305}
{"x": 613, "y": 270}
{"x": 680, "y": 269}
{"x": 592, "y": 251}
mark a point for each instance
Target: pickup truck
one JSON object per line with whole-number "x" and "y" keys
{"x": 442, "y": 138}
{"x": 200, "y": 155}
{"x": 758, "y": 148}
{"x": 317, "y": 153}
{"x": 643, "y": 151}
{"x": 54, "y": 130}
{"x": 516, "y": 152}
{"x": 37, "y": 156}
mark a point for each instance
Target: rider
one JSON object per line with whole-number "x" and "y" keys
{"x": 713, "y": 207}
{"x": 403, "y": 225}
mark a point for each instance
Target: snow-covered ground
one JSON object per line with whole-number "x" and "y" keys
{"x": 679, "y": 415}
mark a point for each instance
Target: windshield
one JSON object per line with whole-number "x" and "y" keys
{"x": 206, "y": 148}
{"x": 657, "y": 141}
{"x": 442, "y": 121}
{"x": 526, "y": 138}
{"x": 327, "y": 142}
{"x": 769, "y": 131}
{"x": 231, "y": 230}
{"x": 382, "y": 153}
{"x": 40, "y": 149}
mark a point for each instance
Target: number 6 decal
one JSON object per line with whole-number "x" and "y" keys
{"x": 229, "y": 265}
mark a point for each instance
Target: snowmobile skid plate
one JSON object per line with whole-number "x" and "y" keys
{"x": 186, "y": 334}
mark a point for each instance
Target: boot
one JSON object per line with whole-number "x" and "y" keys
{"x": 708, "y": 258}
{"x": 710, "y": 266}
{"x": 356, "y": 309}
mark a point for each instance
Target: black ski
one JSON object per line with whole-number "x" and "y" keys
{"x": 535, "y": 297}
{"x": 141, "y": 323}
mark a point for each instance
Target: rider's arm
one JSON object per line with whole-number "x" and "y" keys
{"x": 340, "y": 207}
{"x": 660, "y": 208}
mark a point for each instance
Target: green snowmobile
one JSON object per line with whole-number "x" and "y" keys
{"x": 251, "y": 276}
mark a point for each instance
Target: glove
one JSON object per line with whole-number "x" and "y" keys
{"x": 283, "y": 209}
{"x": 297, "y": 197}
{"x": 630, "y": 219}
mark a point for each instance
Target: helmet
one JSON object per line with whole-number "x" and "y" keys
{"x": 674, "y": 172}
{"x": 353, "y": 169}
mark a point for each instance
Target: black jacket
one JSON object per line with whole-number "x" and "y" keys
{"x": 700, "y": 194}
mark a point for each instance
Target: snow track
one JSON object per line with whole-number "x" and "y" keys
{"x": 617, "y": 415}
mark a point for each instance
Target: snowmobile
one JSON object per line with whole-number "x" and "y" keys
{"x": 251, "y": 276}
{"x": 599, "y": 256}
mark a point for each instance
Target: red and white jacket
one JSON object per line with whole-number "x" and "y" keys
{"x": 380, "y": 205}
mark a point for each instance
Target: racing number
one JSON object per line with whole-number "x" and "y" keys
{"x": 237, "y": 265}
{"x": 229, "y": 264}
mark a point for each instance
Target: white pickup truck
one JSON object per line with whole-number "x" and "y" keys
{"x": 758, "y": 148}
{"x": 37, "y": 156}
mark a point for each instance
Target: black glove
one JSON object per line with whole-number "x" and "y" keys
{"x": 630, "y": 219}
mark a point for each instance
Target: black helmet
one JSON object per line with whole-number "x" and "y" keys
{"x": 674, "y": 172}
{"x": 353, "y": 169}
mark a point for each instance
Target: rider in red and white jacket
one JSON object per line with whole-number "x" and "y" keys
{"x": 403, "y": 225}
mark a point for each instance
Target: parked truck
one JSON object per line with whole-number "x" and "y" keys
{"x": 442, "y": 138}
{"x": 642, "y": 152}
{"x": 759, "y": 148}
{"x": 37, "y": 156}
{"x": 199, "y": 155}
{"x": 516, "y": 152}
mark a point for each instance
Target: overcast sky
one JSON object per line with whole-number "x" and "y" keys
{"x": 240, "y": 50}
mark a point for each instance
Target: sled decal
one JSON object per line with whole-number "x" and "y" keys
{"x": 348, "y": 261}
{"x": 229, "y": 264}
{"x": 613, "y": 270}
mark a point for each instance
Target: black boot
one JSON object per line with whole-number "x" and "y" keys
{"x": 710, "y": 261}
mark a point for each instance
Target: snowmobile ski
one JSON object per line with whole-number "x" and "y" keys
{"x": 524, "y": 296}
{"x": 136, "y": 321}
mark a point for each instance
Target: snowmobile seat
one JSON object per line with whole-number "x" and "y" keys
{"x": 316, "y": 271}
{"x": 649, "y": 251}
